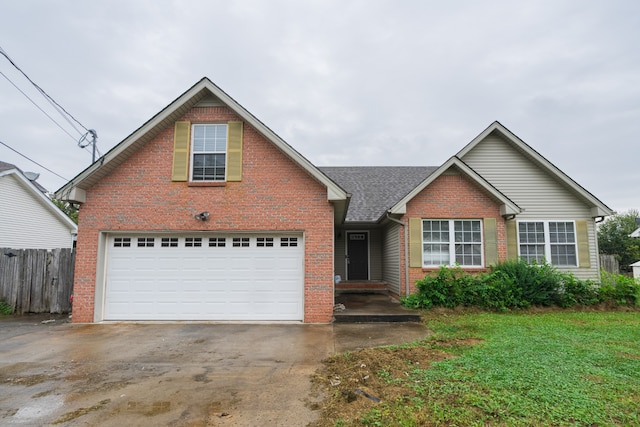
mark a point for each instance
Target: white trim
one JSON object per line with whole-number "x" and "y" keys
{"x": 452, "y": 243}
{"x": 547, "y": 239}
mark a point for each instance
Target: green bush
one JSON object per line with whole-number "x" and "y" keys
{"x": 619, "y": 289}
{"x": 5, "y": 308}
{"x": 518, "y": 284}
{"x": 537, "y": 283}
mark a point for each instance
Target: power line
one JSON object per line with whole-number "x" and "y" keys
{"x": 55, "y": 105}
{"x": 39, "y": 108}
{"x": 45, "y": 94}
{"x": 33, "y": 161}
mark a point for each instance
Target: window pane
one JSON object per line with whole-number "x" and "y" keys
{"x": 563, "y": 255}
{"x": 563, "y": 238}
{"x": 209, "y": 167}
{"x": 435, "y": 231}
{"x": 436, "y": 254}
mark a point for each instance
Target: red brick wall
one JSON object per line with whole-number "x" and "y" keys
{"x": 455, "y": 197}
{"x": 274, "y": 194}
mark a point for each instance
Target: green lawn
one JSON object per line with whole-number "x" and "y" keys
{"x": 552, "y": 368}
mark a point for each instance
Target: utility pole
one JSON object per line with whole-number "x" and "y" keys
{"x": 83, "y": 143}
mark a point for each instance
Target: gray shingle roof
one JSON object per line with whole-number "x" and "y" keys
{"x": 376, "y": 189}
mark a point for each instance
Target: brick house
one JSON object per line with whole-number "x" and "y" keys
{"x": 204, "y": 213}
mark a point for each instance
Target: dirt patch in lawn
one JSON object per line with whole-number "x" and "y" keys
{"x": 352, "y": 383}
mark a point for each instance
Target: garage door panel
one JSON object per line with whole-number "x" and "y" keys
{"x": 205, "y": 283}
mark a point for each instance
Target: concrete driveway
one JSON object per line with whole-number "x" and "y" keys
{"x": 173, "y": 374}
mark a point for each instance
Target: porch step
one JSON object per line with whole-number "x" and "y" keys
{"x": 362, "y": 287}
{"x": 371, "y": 307}
{"x": 375, "y": 318}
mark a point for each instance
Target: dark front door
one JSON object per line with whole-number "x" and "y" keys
{"x": 357, "y": 255}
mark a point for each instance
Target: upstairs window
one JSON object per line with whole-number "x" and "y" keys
{"x": 209, "y": 152}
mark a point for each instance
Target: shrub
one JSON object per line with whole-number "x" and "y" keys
{"x": 5, "y": 308}
{"x": 619, "y": 289}
{"x": 516, "y": 284}
{"x": 538, "y": 283}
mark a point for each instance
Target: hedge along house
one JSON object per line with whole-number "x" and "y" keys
{"x": 204, "y": 213}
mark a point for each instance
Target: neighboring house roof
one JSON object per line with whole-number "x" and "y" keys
{"x": 636, "y": 233}
{"x": 4, "y": 166}
{"x": 374, "y": 190}
{"x": 508, "y": 207}
{"x": 204, "y": 93}
{"x": 598, "y": 208}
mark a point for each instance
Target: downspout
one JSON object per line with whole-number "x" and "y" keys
{"x": 406, "y": 253}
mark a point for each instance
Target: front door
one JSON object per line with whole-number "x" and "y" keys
{"x": 358, "y": 255}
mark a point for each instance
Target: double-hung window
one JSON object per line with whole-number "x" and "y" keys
{"x": 554, "y": 241}
{"x": 209, "y": 152}
{"x": 448, "y": 242}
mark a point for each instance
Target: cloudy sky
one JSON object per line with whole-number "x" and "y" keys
{"x": 364, "y": 83}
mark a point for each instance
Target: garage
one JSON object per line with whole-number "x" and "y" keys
{"x": 204, "y": 277}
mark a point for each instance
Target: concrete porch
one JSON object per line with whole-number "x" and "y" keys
{"x": 367, "y": 305}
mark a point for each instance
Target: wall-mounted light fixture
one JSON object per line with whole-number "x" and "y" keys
{"x": 202, "y": 216}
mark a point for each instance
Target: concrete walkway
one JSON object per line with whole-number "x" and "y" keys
{"x": 171, "y": 373}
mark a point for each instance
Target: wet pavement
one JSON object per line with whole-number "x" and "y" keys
{"x": 173, "y": 374}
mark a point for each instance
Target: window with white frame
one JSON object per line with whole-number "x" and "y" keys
{"x": 554, "y": 241}
{"x": 208, "y": 152}
{"x": 448, "y": 242}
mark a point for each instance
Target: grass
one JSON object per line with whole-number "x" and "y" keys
{"x": 553, "y": 368}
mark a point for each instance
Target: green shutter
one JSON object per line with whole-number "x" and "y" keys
{"x": 181, "y": 142}
{"x": 234, "y": 151}
{"x": 490, "y": 242}
{"x": 512, "y": 240}
{"x": 415, "y": 242}
{"x": 582, "y": 235}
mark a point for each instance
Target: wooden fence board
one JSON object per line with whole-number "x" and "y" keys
{"x": 37, "y": 280}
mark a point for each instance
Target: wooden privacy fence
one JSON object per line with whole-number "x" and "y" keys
{"x": 609, "y": 263}
{"x": 37, "y": 280}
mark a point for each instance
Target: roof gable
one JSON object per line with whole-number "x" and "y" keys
{"x": 598, "y": 208}
{"x": 203, "y": 93}
{"x": 508, "y": 207}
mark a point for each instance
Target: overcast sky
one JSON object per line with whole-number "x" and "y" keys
{"x": 361, "y": 83}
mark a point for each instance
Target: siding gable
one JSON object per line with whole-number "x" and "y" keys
{"x": 523, "y": 181}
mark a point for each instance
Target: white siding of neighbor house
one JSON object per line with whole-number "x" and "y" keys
{"x": 533, "y": 189}
{"x": 26, "y": 222}
{"x": 391, "y": 257}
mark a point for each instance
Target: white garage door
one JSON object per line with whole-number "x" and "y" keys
{"x": 204, "y": 277}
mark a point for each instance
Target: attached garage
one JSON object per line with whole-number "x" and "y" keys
{"x": 204, "y": 277}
